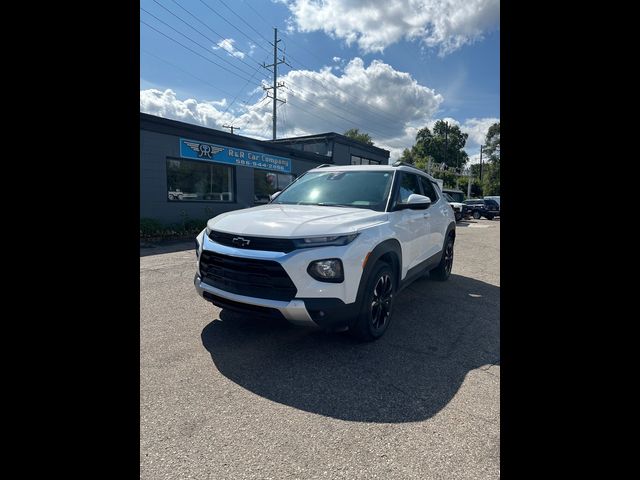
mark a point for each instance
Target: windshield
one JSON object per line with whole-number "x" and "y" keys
{"x": 448, "y": 198}
{"x": 360, "y": 189}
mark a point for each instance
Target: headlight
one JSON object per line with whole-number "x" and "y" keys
{"x": 328, "y": 270}
{"x": 336, "y": 240}
{"x": 200, "y": 241}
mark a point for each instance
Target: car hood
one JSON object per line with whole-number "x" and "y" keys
{"x": 276, "y": 220}
{"x": 456, "y": 204}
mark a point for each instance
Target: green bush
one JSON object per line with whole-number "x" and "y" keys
{"x": 151, "y": 228}
{"x": 195, "y": 224}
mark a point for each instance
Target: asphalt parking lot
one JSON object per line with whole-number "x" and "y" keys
{"x": 227, "y": 397}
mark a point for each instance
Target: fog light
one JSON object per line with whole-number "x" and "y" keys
{"x": 329, "y": 270}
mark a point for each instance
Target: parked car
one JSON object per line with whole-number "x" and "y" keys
{"x": 457, "y": 195}
{"x": 493, "y": 197}
{"x": 178, "y": 195}
{"x": 458, "y": 208}
{"x": 478, "y": 207}
{"x": 332, "y": 249}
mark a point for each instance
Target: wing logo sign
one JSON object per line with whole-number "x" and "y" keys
{"x": 196, "y": 150}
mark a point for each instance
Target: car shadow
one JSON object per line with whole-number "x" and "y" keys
{"x": 440, "y": 331}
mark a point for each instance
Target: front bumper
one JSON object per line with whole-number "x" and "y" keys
{"x": 327, "y": 313}
{"x": 294, "y": 311}
{"x": 327, "y": 305}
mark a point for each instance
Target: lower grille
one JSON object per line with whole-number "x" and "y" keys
{"x": 245, "y": 308}
{"x": 247, "y": 276}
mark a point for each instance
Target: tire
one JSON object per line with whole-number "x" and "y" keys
{"x": 489, "y": 217}
{"x": 443, "y": 270}
{"x": 171, "y": 197}
{"x": 458, "y": 216}
{"x": 476, "y": 214}
{"x": 377, "y": 304}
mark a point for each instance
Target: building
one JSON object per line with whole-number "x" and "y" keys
{"x": 189, "y": 171}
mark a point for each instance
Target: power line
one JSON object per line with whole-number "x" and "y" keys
{"x": 243, "y": 20}
{"x": 254, "y": 107}
{"x": 365, "y": 104}
{"x": 351, "y": 123}
{"x": 230, "y": 23}
{"x": 192, "y": 40}
{"x": 240, "y": 91}
{"x": 189, "y": 38}
{"x": 186, "y": 72}
{"x": 212, "y": 30}
{"x": 248, "y": 4}
{"x": 191, "y": 50}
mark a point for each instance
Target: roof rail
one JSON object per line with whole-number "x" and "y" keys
{"x": 324, "y": 165}
{"x": 399, "y": 163}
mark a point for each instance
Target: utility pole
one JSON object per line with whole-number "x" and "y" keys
{"x": 469, "y": 185}
{"x": 481, "y": 162}
{"x": 230, "y": 127}
{"x": 276, "y": 84}
{"x": 446, "y": 141}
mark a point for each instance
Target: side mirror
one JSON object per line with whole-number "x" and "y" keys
{"x": 417, "y": 202}
{"x": 274, "y": 195}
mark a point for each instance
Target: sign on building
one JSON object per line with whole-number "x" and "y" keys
{"x": 197, "y": 150}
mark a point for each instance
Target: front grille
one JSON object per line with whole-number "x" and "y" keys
{"x": 247, "y": 276}
{"x": 255, "y": 243}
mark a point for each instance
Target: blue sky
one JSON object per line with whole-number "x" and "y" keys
{"x": 388, "y": 68}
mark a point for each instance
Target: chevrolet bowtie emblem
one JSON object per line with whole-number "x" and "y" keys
{"x": 240, "y": 242}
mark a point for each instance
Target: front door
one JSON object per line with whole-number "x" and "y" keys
{"x": 411, "y": 226}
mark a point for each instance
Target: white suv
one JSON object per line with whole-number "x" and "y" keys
{"x": 332, "y": 249}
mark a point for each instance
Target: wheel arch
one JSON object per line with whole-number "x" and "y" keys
{"x": 451, "y": 230}
{"x": 389, "y": 251}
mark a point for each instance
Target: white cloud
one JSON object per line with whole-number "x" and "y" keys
{"x": 336, "y": 59}
{"x": 166, "y": 104}
{"x": 252, "y": 48}
{"x": 376, "y": 99}
{"x": 445, "y": 24}
{"x": 227, "y": 45}
{"x": 388, "y": 104}
{"x": 477, "y": 129}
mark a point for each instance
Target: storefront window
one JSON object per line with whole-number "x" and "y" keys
{"x": 265, "y": 183}
{"x": 355, "y": 160}
{"x": 199, "y": 181}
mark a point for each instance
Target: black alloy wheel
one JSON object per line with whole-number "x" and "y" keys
{"x": 443, "y": 270}
{"x": 378, "y": 296}
{"x": 476, "y": 214}
{"x": 448, "y": 257}
{"x": 381, "y": 302}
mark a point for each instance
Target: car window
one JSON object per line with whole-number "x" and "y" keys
{"x": 429, "y": 190}
{"x": 448, "y": 197}
{"x": 408, "y": 185}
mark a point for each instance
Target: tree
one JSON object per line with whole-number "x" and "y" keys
{"x": 355, "y": 134}
{"x": 445, "y": 144}
{"x": 491, "y": 171}
{"x": 492, "y": 142}
{"x": 407, "y": 156}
